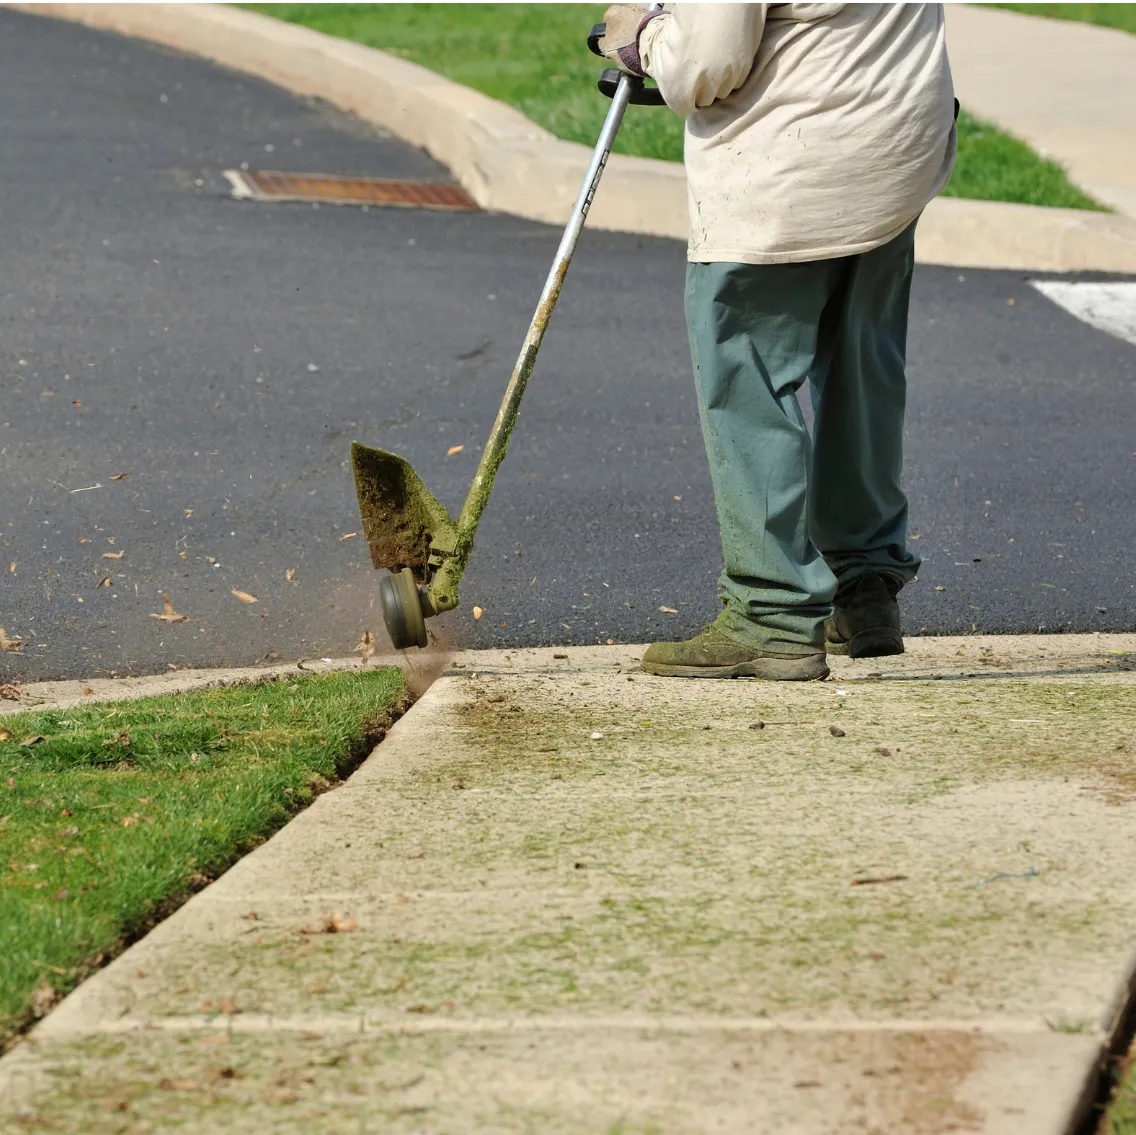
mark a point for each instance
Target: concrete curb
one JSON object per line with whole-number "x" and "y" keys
{"x": 511, "y": 165}
{"x": 423, "y": 667}
{"x": 69, "y": 692}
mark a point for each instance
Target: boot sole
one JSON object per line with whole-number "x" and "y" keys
{"x": 875, "y": 642}
{"x": 810, "y": 669}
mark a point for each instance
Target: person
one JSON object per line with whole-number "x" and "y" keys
{"x": 815, "y": 135}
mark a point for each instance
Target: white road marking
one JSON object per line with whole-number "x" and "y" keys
{"x": 1107, "y": 307}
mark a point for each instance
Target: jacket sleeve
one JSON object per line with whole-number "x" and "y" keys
{"x": 699, "y": 53}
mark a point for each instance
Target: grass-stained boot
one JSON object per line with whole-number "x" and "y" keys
{"x": 865, "y": 618}
{"x": 714, "y": 655}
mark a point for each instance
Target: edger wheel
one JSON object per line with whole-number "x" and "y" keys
{"x": 402, "y": 610}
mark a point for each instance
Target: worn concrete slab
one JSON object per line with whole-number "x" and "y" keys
{"x": 576, "y": 897}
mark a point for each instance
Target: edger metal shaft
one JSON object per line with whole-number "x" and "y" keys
{"x": 494, "y": 451}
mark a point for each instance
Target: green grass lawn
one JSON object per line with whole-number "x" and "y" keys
{"x": 533, "y": 56}
{"x": 1121, "y": 16}
{"x": 121, "y": 810}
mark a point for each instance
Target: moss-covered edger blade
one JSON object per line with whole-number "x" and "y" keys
{"x": 409, "y": 532}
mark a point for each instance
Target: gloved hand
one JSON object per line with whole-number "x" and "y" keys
{"x": 620, "y": 41}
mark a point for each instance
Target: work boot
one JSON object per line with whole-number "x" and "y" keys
{"x": 714, "y": 655}
{"x": 865, "y": 618}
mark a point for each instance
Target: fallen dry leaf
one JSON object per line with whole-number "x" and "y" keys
{"x": 7, "y": 643}
{"x": 227, "y": 1006}
{"x": 188, "y": 511}
{"x": 12, "y": 568}
{"x": 114, "y": 555}
{"x": 118, "y": 739}
{"x": 347, "y": 536}
{"x": 5, "y": 735}
{"x": 336, "y": 924}
{"x": 366, "y": 646}
{"x": 10, "y": 691}
{"x": 477, "y": 613}
{"x": 86, "y": 691}
{"x": 84, "y": 540}
{"x": 668, "y": 610}
{"x": 130, "y": 821}
{"x": 120, "y": 476}
{"x": 106, "y": 581}
{"x": 290, "y": 575}
{"x": 35, "y": 739}
{"x": 245, "y": 597}
{"x": 169, "y": 615}
{"x": 211, "y": 559}
{"x": 454, "y": 449}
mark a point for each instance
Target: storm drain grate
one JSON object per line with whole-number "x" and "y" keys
{"x": 272, "y": 185}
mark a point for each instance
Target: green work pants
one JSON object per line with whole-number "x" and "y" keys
{"x": 801, "y": 517}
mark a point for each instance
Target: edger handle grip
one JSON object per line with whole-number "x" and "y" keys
{"x": 594, "y": 36}
{"x": 640, "y": 94}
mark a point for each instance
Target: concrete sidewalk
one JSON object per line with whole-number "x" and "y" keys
{"x": 1066, "y": 88}
{"x": 564, "y": 896}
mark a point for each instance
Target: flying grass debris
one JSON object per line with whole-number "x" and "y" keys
{"x": 7, "y": 643}
{"x": 114, "y": 555}
{"x": 366, "y": 646}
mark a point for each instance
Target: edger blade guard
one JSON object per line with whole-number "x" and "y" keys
{"x": 403, "y": 522}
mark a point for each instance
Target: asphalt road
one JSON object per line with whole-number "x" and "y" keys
{"x": 224, "y": 354}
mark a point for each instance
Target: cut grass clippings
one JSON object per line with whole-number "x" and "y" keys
{"x": 111, "y": 815}
{"x": 533, "y": 57}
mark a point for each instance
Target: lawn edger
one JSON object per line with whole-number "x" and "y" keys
{"x": 410, "y": 534}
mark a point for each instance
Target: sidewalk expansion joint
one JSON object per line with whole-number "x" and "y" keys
{"x": 628, "y": 1022}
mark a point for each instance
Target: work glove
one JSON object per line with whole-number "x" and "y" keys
{"x": 623, "y": 24}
